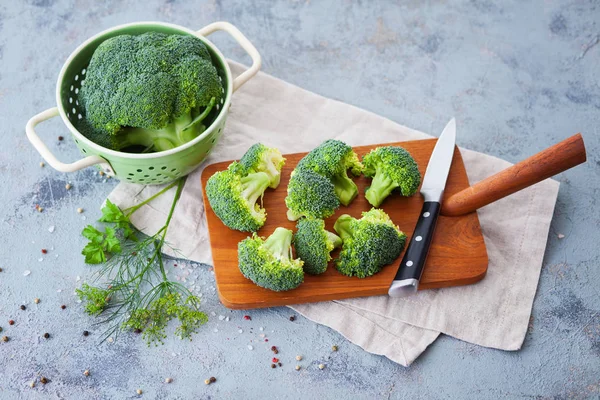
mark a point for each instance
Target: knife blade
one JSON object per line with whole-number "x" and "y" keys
{"x": 406, "y": 281}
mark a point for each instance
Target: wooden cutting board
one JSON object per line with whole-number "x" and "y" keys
{"x": 457, "y": 255}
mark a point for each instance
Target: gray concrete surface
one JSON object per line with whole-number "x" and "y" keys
{"x": 518, "y": 75}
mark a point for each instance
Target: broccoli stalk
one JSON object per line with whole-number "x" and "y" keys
{"x": 345, "y": 188}
{"x": 342, "y": 226}
{"x": 381, "y": 187}
{"x": 279, "y": 244}
{"x": 269, "y": 263}
{"x": 253, "y": 187}
{"x": 334, "y": 239}
{"x": 180, "y": 131}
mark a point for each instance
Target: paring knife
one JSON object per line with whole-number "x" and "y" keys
{"x": 406, "y": 281}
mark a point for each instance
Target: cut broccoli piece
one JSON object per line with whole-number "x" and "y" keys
{"x": 269, "y": 263}
{"x": 310, "y": 194}
{"x": 260, "y": 158}
{"x": 370, "y": 243}
{"x": 313, "y": 244}
{"x": 233, "y": 195}
{"x": 151, "y": 90}
{"x": 390, "y": 167}
{"x": 332, "y": 159}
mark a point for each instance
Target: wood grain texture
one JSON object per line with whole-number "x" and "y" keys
{"x": 555, "y": 159}
{"x": 457, "y": 256}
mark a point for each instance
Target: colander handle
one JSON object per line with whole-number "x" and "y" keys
{"x": 47, "y": 154}
{"x": 243, "y": 42}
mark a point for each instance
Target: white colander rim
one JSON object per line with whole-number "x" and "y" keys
{"x": 105, "y": 151}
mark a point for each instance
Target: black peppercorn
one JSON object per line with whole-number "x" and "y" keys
{"x": 47, "y": 335}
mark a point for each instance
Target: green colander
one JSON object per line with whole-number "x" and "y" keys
{"x": 151, "y": 168}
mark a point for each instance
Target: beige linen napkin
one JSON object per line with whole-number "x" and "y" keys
{"x": 494, "y": 312}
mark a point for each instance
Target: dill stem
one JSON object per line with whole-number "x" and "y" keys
{"x": 133, "y": 209}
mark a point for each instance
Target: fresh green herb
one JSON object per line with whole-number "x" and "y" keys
{"x": 133, "y": 291}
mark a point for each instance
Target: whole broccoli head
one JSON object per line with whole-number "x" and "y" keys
{"x": 370, "y": 243}
{"x": 332, "y": 159}
{"x": 260, "y": 158}
{"x": 313, "y": 244}
{"x": 269, "y": 263}
{"x": 310, "y": 194}
{"x": 391, "y": 168}
{"x": 233, "y": 195}
{"x": 151, "y": 90}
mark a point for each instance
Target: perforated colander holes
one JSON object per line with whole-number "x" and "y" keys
{"x": 73, "y": 111}
{"x": 153, "y": 175}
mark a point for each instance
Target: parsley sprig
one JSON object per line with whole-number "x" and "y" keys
{"x": 132, "y": 290}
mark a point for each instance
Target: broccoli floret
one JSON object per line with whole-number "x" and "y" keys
{"x": 260, "y": 158}
{"x": 332, "y": 159}
{"x": 390, "y": 167}
{"x": 269, "y": 263}
{"x": 310, "y": 194}
{"x": 233, "y": 195}
{"x": 151, "y": 90}
{"x": 370, "y": 243}
{"x": 313, "y": 244}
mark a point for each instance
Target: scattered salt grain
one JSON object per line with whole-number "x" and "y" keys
{"x": 560, "y": 236}
{"x": 261, "y": 328}
{"x": 51, "y": 229}
{"x": 26, "y": 272}
{"x": 250, "y": 347}
{"x": 213, "y": 313}
{"x": 240, "y": 331}
{"x": 59, "y": 290}
{"x": 221, "y": 317}
{"x": 227, "y": 319}
{"x": 41, "y": 259}
{"x": 78, "y": 278}
{"x": 215, "y": 330}
{"x": 110, "y": 340}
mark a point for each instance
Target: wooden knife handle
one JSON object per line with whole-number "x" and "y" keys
{"x": 558, "y": 158}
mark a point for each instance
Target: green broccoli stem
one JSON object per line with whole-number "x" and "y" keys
{"x": 345, "y": 188}
{"x": 181, "y": 130}
{"x": 334, "y": 239}
{"x": 342, "y": 226}
{"x": 292, "y": 216}
{"x": 253, "y": 187}
{"x": 380, "y": 188}
{"x": 280, "y": 244}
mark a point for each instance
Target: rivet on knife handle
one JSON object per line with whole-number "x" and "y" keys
{"x": 409, "y": 273}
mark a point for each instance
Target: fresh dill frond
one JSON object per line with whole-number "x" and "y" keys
{"x": 132, "y": 290}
